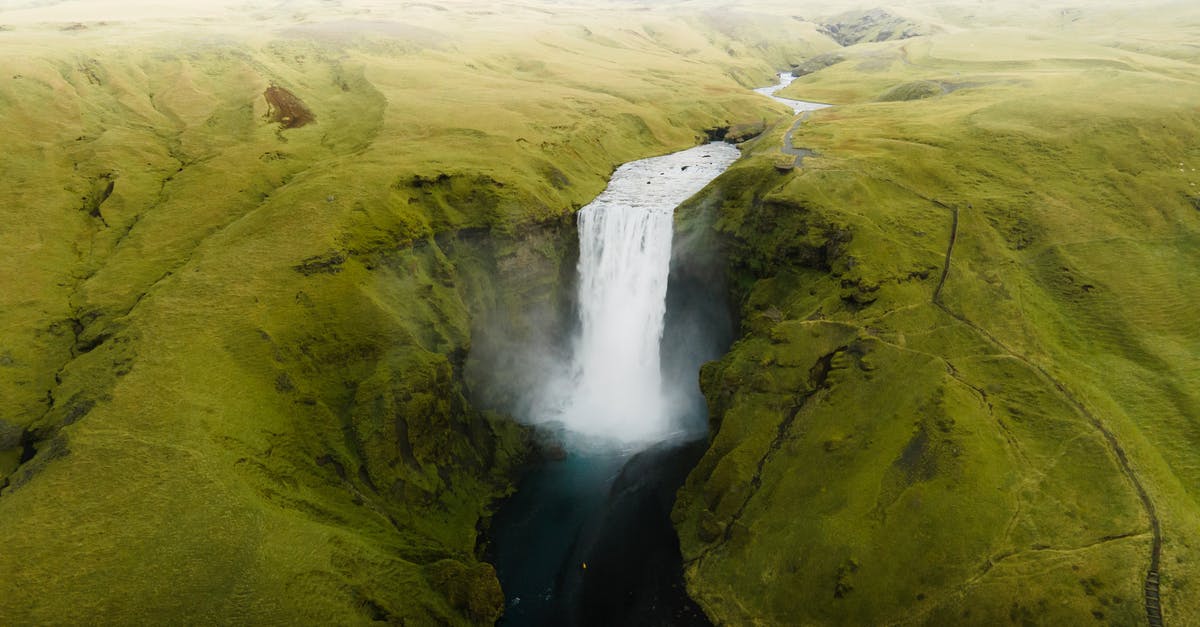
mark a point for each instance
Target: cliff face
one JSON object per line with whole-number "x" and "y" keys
{"x": 963, "y": 391}
{"x": 257, "y": 286}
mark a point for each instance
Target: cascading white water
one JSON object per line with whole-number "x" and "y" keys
{"x": 614, "y": 385}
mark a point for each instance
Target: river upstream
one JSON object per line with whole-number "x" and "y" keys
{"x": 587, "y": 539}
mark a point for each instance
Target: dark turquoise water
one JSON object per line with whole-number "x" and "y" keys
{"x": 537, "y": 531}
{"x": 588, "y": 541}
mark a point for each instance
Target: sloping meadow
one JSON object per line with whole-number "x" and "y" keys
{"x": 965, "y": 391}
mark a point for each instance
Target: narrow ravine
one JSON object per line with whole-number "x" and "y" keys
{"x": 624, "y": 438}
{"x": 587, "y": 538}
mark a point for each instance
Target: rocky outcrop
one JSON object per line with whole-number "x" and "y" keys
{"x": 855, "y": 27}
{"x": 739, "y": 133}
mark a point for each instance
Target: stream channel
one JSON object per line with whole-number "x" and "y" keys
{"x": 587, "y": 538}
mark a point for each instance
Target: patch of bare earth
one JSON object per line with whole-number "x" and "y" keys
{"x": 285, "y": 108}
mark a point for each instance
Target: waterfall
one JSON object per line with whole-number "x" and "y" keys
{"x": 613, "y": 385}
{"x": 631, "y": 431}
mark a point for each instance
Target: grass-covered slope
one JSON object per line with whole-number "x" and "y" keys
{"x": 966, "y": 390}
{"x": 232, "y": 345}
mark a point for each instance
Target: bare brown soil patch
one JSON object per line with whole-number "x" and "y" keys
{"x": 285, "y": 108}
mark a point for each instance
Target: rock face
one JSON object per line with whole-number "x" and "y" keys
{"x": 874, "y": 25}
{"x": 636, "y": 529}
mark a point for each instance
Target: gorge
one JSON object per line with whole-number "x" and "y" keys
{"x": 609, "y": 403}
{"x": 567, "y": 545}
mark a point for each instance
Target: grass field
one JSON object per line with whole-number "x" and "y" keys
{"x": 973, "y": 451}
{"x": 236, "y": 358}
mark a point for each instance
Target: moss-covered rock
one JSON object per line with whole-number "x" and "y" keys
{"x": 472, "y": 590}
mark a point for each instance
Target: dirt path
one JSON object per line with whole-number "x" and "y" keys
{"x": 1150, "y": 585}
{"x": 937, "y": 292}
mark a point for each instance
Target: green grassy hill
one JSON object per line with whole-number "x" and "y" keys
{"x": 966, "y": 389}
